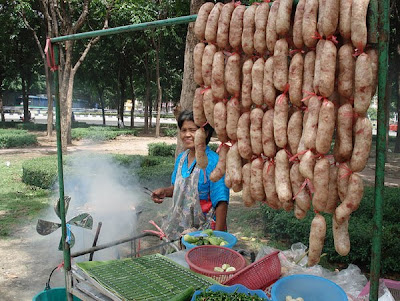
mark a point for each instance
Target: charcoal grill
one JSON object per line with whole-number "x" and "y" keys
{"x": 152, "y": 277}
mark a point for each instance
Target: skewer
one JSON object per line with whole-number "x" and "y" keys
{"x": 149, "y": 190}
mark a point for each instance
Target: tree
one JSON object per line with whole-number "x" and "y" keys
{"x": 66, "y": 18}
{"x": 188, "y": 83}
{"x": 29, "y": 12}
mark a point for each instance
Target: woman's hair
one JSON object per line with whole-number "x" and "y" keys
{"x": 187, "y": 115}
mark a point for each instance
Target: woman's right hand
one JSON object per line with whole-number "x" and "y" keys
{"x": 158, "y": 195}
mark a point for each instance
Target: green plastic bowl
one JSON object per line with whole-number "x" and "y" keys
{"x": 53, "y": 294}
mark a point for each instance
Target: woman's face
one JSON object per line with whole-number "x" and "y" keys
{"x": 187, "y": 132}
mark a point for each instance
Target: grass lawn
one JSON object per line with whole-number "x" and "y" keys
{"x": 19, "y": 203}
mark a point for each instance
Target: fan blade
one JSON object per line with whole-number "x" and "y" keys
{"x": 67, "y": 199}
{"x": 45, "y": 227}
{"x": 72, "y": 242}
{"x": 84, "y": 220}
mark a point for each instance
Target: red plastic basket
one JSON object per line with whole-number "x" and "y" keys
{"x": 259, "y": 274}
{"x": 203, "y": 260}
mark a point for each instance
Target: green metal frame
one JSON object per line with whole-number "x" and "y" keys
{"x": 378, "y": 21}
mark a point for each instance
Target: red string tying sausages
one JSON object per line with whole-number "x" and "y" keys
{"x": 237, "y": 3}
{"x": 317, "y": 36}
{"x": 271, "y": 163}
{"x": 285, "y": 91}
{"x": 221, "y": 145}
{"x": 205, "y": 89}
{"x": 307, "y": 183}
{"x": 333, "y": 39}
{"x": 294, "y": 51}
{"x": 359, "y": 50}
{"x": 309, "y": 95}
{"x": 295, "y": 157}
{"x": 345, "y": 167}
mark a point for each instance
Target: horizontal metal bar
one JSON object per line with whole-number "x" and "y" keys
{"x": 132, "y": 27}
{"x": 126, "y": 28}
{"x": 110, "y": 244}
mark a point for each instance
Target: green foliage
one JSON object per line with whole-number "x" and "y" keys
{"x": 213, "y": 146}
{"x": 19, "y": 203}
{"x": 100, "y": 133}
{"x": 16, "y": 138}
{"x": 162, "y": 149}
{"x": 170, "y": 132}
{"x": 152, "y": 171}
{"x": 40, "y": 172}
{"x": 24, "y": 126}
{"x": 32, "y": 126}
{"x": 284, "y": 226}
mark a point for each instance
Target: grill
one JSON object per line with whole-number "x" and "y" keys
{"x": 151, "y": 277}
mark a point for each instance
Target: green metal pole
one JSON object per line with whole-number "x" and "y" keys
{"x": 383, "y": 25}
{"x": 127, "y": 28}
{"x": 132, "y": 27}
{"x": 66, "y": 249}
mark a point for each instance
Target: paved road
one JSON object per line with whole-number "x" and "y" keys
{"x": 93, "y": 119}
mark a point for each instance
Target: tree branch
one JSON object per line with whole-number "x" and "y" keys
{"x": 22, "y": 14}
{"x": 82, "y": 17}
{"x": 95, "y": 40}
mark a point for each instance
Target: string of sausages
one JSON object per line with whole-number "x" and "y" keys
{"x": 283, "y": 88}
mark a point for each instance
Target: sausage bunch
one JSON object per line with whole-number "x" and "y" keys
{"x": 287, "y": 89}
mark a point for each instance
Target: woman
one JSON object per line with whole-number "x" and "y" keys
{"x": 197, "y": 202}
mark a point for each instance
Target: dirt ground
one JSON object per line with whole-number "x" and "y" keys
{"x": 25, "y": 260}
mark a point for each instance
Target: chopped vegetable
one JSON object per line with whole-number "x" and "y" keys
{"x": 206, "y": 237}
{"x": 224, "y": 296}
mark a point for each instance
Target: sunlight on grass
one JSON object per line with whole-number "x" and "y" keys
{"x": 19, "y": 203}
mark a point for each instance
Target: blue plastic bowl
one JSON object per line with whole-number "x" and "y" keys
{"x": 230, "y": 238}
{"x": 230, "y": 289}
{"x": 309, "y": 287}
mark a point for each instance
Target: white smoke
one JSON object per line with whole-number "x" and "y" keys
{"x": 110, "y": 193}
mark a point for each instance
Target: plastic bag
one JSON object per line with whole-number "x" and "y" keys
{"x": 384, "y": 293}
{"x": 294, "y": 261}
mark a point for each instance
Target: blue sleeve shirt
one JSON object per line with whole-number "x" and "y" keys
{"x": 216, "y": 191}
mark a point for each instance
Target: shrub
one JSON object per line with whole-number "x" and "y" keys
{"x": 40, "y": 172}
{"x": 16, "y": 138}
{"x": 283, "y": 225}
{"x": 162, "y": 149}
{"x": 170, "y": 132}
{"x": 100, "y": 133}
{"x": 31, "y": 126}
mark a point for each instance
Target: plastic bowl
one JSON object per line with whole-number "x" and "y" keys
{"x": 309, "y": 287}
{"x": 230, "y": 238}
{"x": 259, "y": 274}
{"x": 230, "y": 289}
{"x": 203, "y": 260}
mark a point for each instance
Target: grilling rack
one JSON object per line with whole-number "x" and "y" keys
{"x": 151, "y": 277}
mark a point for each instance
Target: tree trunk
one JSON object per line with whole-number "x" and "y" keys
{"x": 3, "y": 119}
{"x": 159, "y": 90}
{"x": 133, "y": 101}
{"x": 25, "y": 100}
{"x": 188, "y": 83}
{"x": 122, "y": 100}
{"x": 397, "y": 145}
{"x": 102, "y": 109}
{"x": 147, "y": 97}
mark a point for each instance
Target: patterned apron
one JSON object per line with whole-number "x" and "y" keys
{"x": 186, "y": 212}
